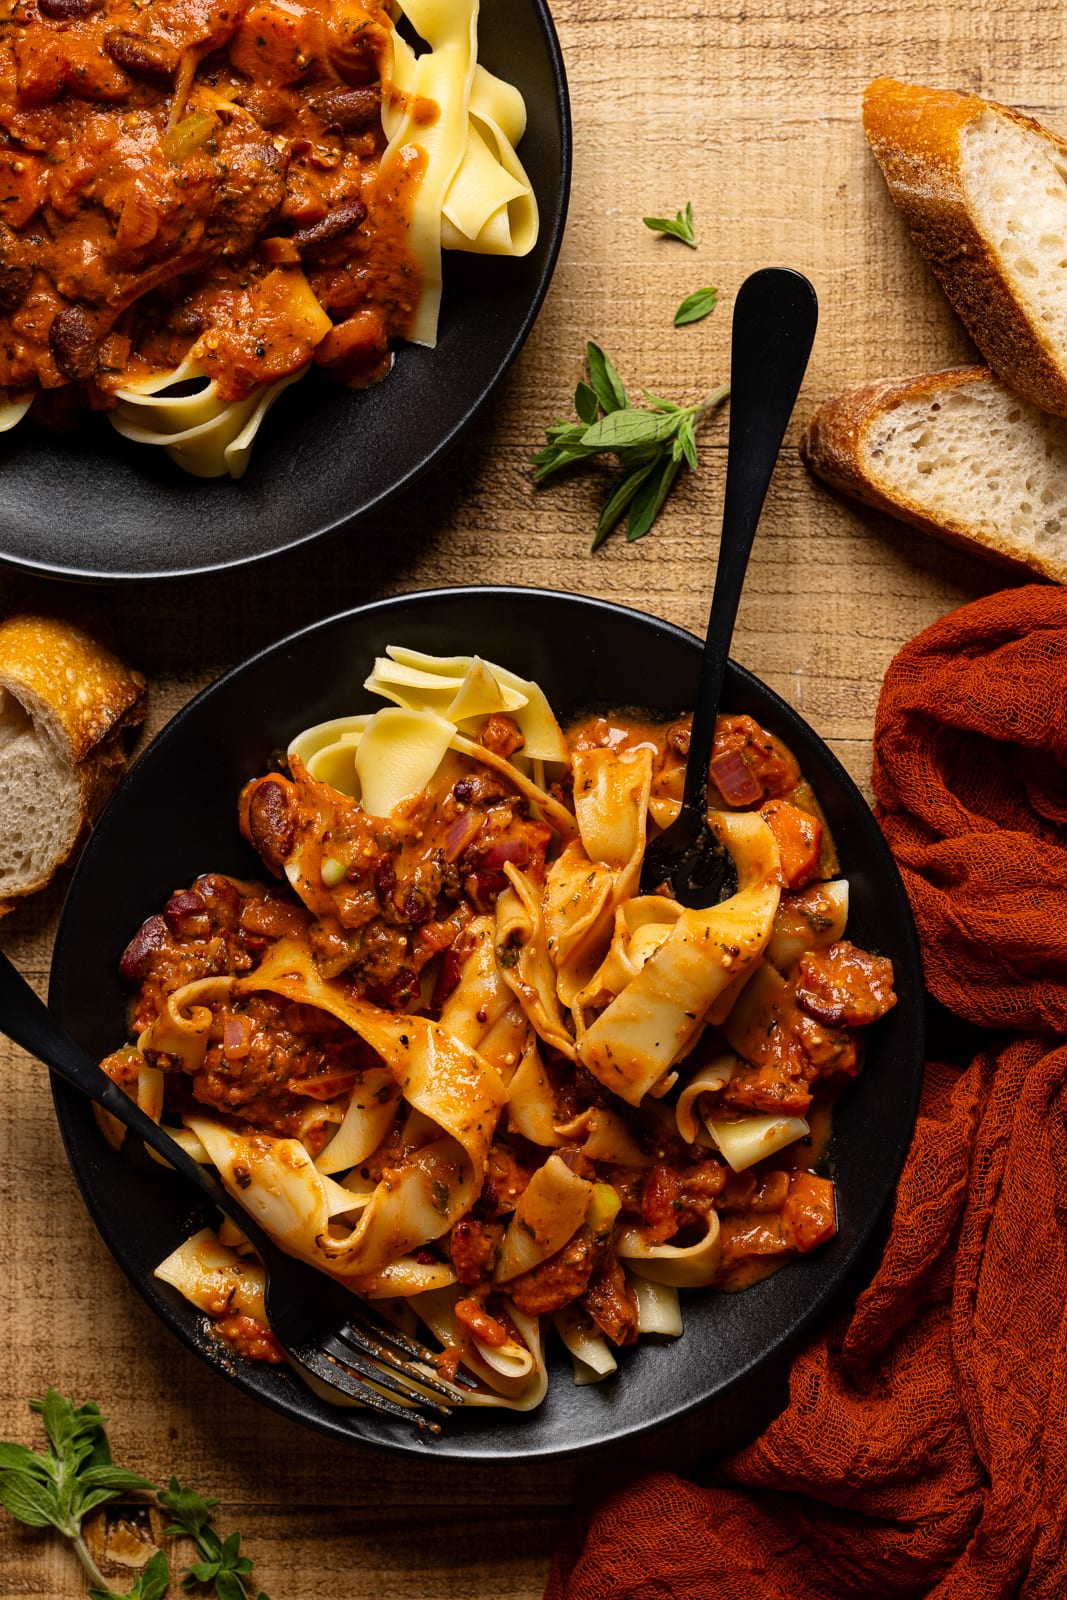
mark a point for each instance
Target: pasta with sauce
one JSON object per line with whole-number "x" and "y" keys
{"x": 200, "y": 202}
{"x": 452, "y": 1056}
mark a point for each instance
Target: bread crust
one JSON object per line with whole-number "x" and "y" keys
{"x": 834, "y": 447}
{"x": 76, "y": 691}
{"x": 79, "y": 696}
{"x": 915, "y": 134}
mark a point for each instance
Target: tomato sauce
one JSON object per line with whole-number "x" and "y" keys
{"x": 192, "y": 171}
{"x": 385, "y": 904}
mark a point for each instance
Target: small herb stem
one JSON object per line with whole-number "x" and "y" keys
{"x": 710, "y": 401}
{"x": 96, "y": 1577}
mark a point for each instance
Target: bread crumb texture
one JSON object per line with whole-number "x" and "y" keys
{"x": 1016, "y": 181}
{"x": 64, "y": 699}
{"x": 958, "y": 454}
{"x": 978, "y": 457}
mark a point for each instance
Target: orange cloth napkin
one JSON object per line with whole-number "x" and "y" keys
{"x": 923, "y": 1451}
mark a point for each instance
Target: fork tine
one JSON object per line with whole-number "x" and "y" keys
{"x": 382, "y": 1377}
{"x": 378, "y": 1327}
{"x": 373, "y": 1344}
{"x": 343, "y": 1377}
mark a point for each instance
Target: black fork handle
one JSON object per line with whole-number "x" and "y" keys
{"x": 26, "y": 1019}
{"x": 775, "y": 317}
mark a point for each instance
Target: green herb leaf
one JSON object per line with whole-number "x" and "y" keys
{"x": 621, "y": 429}
{"x": 680, "y": 228}
{"x": 687, "y": 438}
{"x": 586, "y": 403}
{"x": 696, "y": 306}
{"x": 191, "y": 1512}
{"x": 150, "y": 1583}
{"x": 202, "y": 1571}
{"x": 228, "y": 1587}
{"x": 658, "y": 403}
{"x": 651, "y": 444}
{"x": 649, "y": 499}
{"x": 605, "y": 381}
{"x": 114, "y": 1479}
{"x": 18, "y": 1458}
{"x": 30, "y": 1500}
{"x": 619, "y": 501}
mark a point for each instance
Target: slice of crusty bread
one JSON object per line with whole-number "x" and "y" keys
{"x": 984, "y": 191}
{"x": 64, "y": 699}
{"x": 956, "y": 454}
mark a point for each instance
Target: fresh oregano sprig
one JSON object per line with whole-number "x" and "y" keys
{"x": 221, "y": 1561}
{"x": 679, "y": 227}
{"x": 652, "y": 444}
{"x": 61, "y": 1485}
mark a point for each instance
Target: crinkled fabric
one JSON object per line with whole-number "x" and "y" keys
{"x": 923, "y": 1451}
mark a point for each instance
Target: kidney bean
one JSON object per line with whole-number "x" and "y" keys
{"x": 271, "y": 825}
{"x": 384, "y": 878}
{"x": 74, "y": 344}
{"x": 150, "y": 936}
{"x": 334, "y": 225}
{"x": 145, "y": 58}
{"x": 221, "y": 897}
{"x": 187, "y": 915}
{"x": 67, "y": 10}
{"x": 447, "y": 981}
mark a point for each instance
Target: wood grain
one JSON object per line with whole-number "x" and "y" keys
{"x": 752, "y": 113}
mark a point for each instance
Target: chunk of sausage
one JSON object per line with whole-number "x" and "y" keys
{"x": 844, "y": 986}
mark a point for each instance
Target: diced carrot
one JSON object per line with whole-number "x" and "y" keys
{"x": 799, "y": 838}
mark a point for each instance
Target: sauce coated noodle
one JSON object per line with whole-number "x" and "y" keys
{"x": 450, "y": 1054}
{"x": 200, "y": 202}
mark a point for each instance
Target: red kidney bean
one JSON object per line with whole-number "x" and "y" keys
{"x": 67, "y": 10}
{"x": 221, "y": 897}
{"x": 143, "y": 57}
{"x": 187, "y": 902}
{"x": 333, "y": 225}
{"x": 384, "y": 878}
{"x": 150, "y": 936}
{"x": 271, "y": 825}
{"x": 74, "y": 344}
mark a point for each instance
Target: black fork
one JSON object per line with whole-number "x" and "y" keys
{"x": 773, "y": 331}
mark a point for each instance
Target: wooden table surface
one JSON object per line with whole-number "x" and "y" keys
{"x": 752, "y": 113}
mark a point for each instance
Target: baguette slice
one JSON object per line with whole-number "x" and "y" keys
{"x": 956, "y": 454}
{"x": 984, "y": 191}
{"x": 64, "y": 699}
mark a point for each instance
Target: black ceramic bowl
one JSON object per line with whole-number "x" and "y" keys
{"x": 175, "y": 816}
{"x": 96, "y": 506}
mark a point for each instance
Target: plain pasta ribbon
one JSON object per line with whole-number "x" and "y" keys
{"x": 646, "y": 1028}
{"x": 442, "y": 77}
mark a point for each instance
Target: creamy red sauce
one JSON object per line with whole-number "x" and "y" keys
{"x": 182, "y": 170}
{"x": 386, "y": 904}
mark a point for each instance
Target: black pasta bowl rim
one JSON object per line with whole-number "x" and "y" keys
{"x": 465, "y": 1439}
